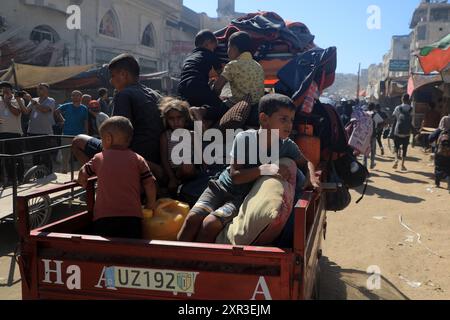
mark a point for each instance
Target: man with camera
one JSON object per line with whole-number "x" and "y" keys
{"x": 41, "y": 123}
{"x": 11, "y": 110}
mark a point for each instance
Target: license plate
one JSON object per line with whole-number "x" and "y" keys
{"x": 151, "y": 279}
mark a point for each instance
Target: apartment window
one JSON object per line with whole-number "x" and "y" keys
{"x": 109, "y": 25}
{"x": 42, "y": 33}
{"x": 440, "y": 15}
{"x": 148, "y": 38}
{"x": 422, "y": 33}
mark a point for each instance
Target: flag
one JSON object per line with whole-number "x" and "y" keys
{"x": 435, "y": 57}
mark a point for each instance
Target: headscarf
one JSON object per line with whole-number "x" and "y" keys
{"x": 445, "y": 124}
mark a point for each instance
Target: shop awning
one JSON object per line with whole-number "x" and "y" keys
{"x": 29, "y": 76}
{"x": 418, "y": 80}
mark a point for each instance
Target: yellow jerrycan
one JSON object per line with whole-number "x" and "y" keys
{"x": 166, "y": 221}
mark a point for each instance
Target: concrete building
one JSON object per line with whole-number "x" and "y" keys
{"x": 226, "y": 12}
{"x": 375, "y": 74}
{"x": 430, "y": 23}
{"x": 160, "y": 33}
{"x": 157, "y": 32}
{"x": 399, "y": 50}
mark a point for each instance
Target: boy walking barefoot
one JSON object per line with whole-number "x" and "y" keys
{"x": 121, "y": 176}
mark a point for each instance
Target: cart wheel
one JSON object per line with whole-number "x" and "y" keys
{"x": 40, "y": 211}
{"x": 36, "y": 173}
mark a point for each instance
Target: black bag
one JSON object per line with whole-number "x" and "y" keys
{"x": 341, "y": 198}
{"x": 352, "y": 172}
{"x": 404, "y": 123}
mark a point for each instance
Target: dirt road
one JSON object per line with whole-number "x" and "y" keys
{"x": 366, "y": 235}
{"x": 370, "y": 234}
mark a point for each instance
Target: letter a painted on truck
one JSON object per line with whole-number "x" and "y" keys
{"x": 262, "y": 289}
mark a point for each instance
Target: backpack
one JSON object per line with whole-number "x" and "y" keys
{"x": 443, "y": 145}
{"x": 404, "y": 123}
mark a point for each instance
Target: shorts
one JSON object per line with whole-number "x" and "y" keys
{"x": 401, "y": 142}
{"x": 93, "y": 146}
{"x": 218, "y": 202}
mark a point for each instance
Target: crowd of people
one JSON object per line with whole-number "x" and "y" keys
{"x": 21, "y": 116}
{"x": 129, "y": 147}
{"x": 128, "y": 143}
{"x": 399, "y": 127}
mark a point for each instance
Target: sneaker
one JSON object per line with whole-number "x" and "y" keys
{"x": 404, "y": 168}
{"x": 395, "y": 165}
{"x": 372, "y": 166}
{"x": 382, "y": 151}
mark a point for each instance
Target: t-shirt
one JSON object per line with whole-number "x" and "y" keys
{"x": 405, "y": 108}
{"x": 101, "y": 117}
{"x": 75, "y": 119}
{"x": 140, "y": 104}
{"x": 40, "y": 122}
{"x": 95, "y": 123}
{"x": 196, "y": 68}
{"x": 121, "y": 174}
{"x": 245, "y": 151}
{"x": 11, "y": 123}
{"x": 105, "y": 106}
{"x": 246, "y": 76}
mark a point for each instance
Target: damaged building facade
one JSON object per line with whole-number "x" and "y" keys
{"x": 159, "y": 33}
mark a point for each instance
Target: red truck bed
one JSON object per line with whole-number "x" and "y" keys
{"x": 59, "y": 262}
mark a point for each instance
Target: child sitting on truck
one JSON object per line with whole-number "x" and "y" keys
{"x": 221, "y": 201}
{"x": 121, "y": 176}
{"x": 243, "y": 73}
{"x": 176, "y": 116}
{"x": 194, "y": 83}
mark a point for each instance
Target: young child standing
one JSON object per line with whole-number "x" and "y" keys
{"x": 194, "y": 84}
{"x": 121, "y": 176}
{"x": 221, "y": 201}
{"x": 176, "y": 116}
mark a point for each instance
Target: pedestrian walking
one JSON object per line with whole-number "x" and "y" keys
{"x": 402, "y": 130}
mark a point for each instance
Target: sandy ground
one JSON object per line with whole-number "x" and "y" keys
{"x": 365, "y": 235}
{"x": 370, "y": 234}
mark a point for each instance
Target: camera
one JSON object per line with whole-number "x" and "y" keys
{"x": 20, "y": 94}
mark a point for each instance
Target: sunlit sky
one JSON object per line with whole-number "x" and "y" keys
{"x": 340, "y": 23}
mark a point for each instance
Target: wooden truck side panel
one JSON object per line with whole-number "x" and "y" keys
{"x": 56, "y": 263}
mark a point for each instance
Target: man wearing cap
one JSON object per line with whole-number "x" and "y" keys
{"x": 11, "y": 110}
{"x": 96, "y": 118}
{"x": 41, "y": 124}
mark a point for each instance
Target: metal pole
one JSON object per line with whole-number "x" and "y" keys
{"x": 15, "y": 187}
{"x": 359, "y": 82}
{"x": 71, "y": 178}
{"x": 16, "y": 83}
{"x": 3, "y": 164}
